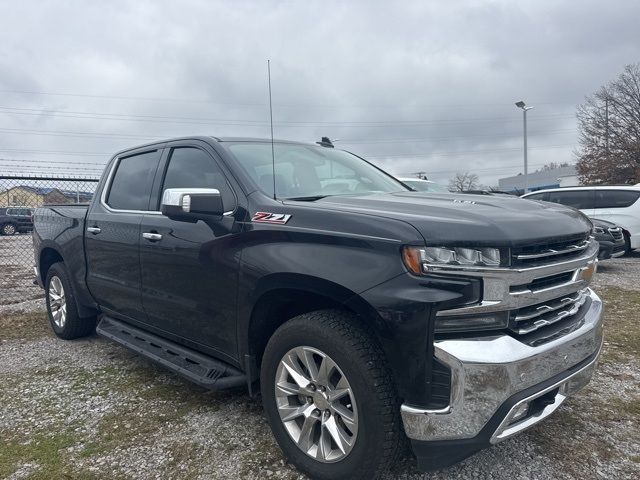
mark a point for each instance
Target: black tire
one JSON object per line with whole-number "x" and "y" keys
{"x": 627, "y": 244}
{"x": 73, "y": 326}
{"x": 357, "y": 353}
{"x": 8, "y": 229}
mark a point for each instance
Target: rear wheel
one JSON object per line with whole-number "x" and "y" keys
{"x": 329, "y": 397}
{"x": 61, "y": 306}
{"x": 8, "y": 229}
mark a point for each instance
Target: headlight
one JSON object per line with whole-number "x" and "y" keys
{"x": 599, "y": 230}
{"x": 417, "y": 259}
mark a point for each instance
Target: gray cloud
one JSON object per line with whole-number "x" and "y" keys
{"x": 412, "y": 85}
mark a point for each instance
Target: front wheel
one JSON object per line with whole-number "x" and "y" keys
{"x": 329, "y": 397}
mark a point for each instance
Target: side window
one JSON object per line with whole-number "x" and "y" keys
{"x": 615, "y": 198}
{"x": 131, "y": 184}
{"x": 535, "y": 196}
{"x": 191, "y": 167}
{"x": 580, "y": 199}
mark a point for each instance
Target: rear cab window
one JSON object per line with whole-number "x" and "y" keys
{"x": 131, "y": 183}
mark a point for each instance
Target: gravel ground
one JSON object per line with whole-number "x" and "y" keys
{"x": 16, "y": 281}
{"x": 91, "y": 409}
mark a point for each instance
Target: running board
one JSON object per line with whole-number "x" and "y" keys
{"x": 206, "y": 371}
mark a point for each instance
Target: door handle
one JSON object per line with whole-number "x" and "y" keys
{"x": 94, "y": 230}
{"x": 153, "y": 237}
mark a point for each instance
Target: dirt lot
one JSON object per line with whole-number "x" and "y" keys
{"x": 91, "y": 409}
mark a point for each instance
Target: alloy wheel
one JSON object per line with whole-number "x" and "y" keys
{"x": 316, "y": 404}
{"x": 57, "y": 302}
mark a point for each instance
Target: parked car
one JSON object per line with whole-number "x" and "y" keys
{"x": 616, "y": 204}
{"x": 16, "y": 220}
{"x": 421, "y": 185}
{"x": 610, "y": 238}
{"x": 361, "y": 315}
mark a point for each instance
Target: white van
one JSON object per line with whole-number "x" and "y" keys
{"x": 618, "y": 205}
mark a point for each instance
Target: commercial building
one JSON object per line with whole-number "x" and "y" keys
{"x": 556, "y": 177}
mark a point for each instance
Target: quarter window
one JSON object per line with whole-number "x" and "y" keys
{"x": 616, "y": 198}
{"x": 191, "y": 167}
{"x": 131, "y": 184}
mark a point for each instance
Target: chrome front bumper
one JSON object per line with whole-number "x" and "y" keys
{"x": 488, "y": 371}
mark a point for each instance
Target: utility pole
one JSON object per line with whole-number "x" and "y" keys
{"x": 606, "y": 126}
{"x": 524, "y": 108}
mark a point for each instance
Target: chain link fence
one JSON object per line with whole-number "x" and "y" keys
{"x": 19, "y": 197}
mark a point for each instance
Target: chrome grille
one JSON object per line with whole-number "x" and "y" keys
{"x": 544, "y": 299}
{"x": 549, "y": 252}
{"x": 616, "y": 233}
{"x": 529, "y": 319}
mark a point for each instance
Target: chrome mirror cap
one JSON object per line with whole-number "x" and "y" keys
{"x": 191, "y": 204}
{"x": 181, "y": 197}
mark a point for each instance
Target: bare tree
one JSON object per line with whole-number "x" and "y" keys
{"x": 463, "y": 181}
{"x": 609, "y": 125}
{"x": 552, "y": 166}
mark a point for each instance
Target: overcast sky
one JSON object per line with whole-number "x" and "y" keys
{"x": 413, "y": 86}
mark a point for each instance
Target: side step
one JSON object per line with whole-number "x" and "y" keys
{"x": 201, "y": 369}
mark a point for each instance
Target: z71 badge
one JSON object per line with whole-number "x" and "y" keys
{"x": 265, "y": 217}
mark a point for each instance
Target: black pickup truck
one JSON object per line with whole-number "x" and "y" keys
{"x": 361, "y": 311}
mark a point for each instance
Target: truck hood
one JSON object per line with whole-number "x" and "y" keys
{"x": 469, "y": 219}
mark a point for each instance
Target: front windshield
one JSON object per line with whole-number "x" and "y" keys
{"x": 307, "y": 172}
{"x": 424, "y": 186}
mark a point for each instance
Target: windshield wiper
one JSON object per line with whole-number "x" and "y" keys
{"x": 310, "y": 198}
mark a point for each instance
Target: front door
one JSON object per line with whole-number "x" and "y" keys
{"x": 190, "y": 270}
{"x": 112, "y": 238}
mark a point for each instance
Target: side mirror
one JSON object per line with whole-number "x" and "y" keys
{"x": 191, "y": 204}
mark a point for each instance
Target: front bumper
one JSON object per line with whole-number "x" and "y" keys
{"x": 611, "y": 249}
{"x": 491, "y": 377}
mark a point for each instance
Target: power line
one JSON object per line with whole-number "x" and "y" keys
{"x": 62, "y": 133}
{"x": 253, "y": 123}
{"x": 77, "y": 134}
{"x": 428, "y": 139}
{"x": 57, "y": 152}
{"x": 465, "y": 152}
{"x": 390, "y": 155}
{"x": 506, "y": 104}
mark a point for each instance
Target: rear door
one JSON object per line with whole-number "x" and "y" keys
{"x": 190, "y": 270}
{"x": 112, "y": 236}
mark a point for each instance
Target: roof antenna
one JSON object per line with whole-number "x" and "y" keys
{"x": 325, "y": 142}
{"x": 273, "y": 155}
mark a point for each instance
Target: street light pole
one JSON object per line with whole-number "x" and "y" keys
{"x": 524, "y": 108}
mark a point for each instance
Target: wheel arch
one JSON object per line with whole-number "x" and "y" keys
{"x": 285, "y": 296}
{"x": 48, "y": 256}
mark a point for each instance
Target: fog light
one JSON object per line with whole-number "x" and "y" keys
{"x": 520, "y": 412}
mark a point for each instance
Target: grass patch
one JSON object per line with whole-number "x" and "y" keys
{"x": 621, "y": 324}
{"x": 24, "y": 326}
{"x": 45, "y": 451}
